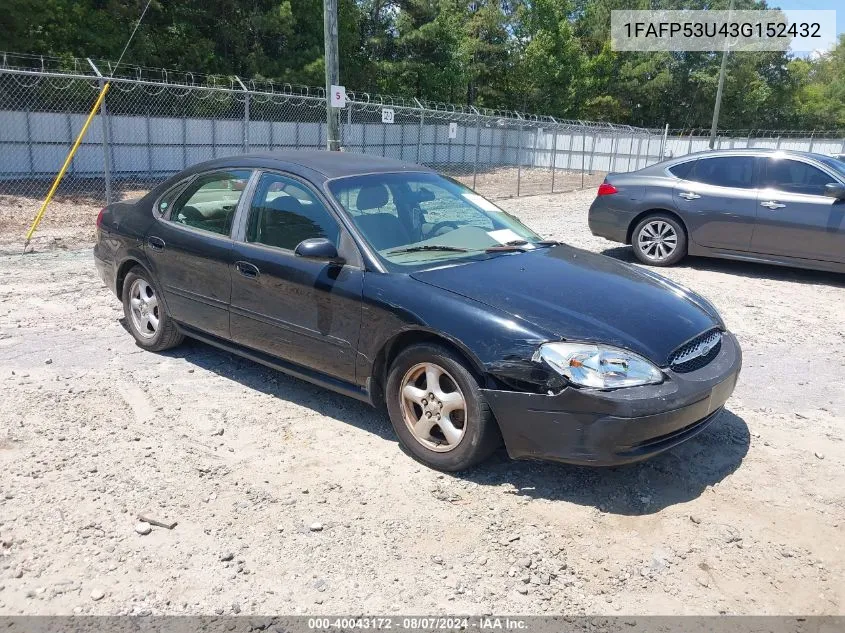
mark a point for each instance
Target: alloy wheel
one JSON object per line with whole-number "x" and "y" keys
{"x": 657, "y": 240}
{"x": 433, "y": 407}
{"x": 144, "y": 308}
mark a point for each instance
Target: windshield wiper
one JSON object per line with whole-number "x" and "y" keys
{"x": 428, "y": 247}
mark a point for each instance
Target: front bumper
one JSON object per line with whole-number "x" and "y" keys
{"x": 605, "y": 428}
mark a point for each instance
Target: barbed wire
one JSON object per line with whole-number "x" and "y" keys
{"x": 132, "y": 77}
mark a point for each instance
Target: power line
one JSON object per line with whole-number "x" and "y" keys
{"x": 129, "y": 41}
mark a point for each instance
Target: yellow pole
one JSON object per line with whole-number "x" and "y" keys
{"x": 62, "y": 171}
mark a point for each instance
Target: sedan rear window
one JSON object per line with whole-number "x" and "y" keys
{"x": 682, "y": 170}
{"x": 209, "y": 202}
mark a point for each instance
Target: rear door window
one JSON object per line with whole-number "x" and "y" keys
{"x": 209, "y": 202}
{"x": 795, "y": 176}
{"x": 725, "y": 171}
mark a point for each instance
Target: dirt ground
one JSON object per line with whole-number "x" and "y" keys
{"x": 289, "y": 499}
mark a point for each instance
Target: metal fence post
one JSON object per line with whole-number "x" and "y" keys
{"x": 383, "y": 140}
{"x": 554, "y": 159}
{"x": 347, "y": 134}
{"x": 584, "y": 153}
{"x": 184, "y": 141}
{"x": 639, "y": 152}
{"x": 29, "y": 141}
{"x": 614, "y": 147}
{"x": 149, "y": 146}
{"x": 477, "y": 147}
{"x": 246, "y": 114}
{"x": 70, "y": 137}
{"x": 420, "y": 132}
{"x": 519, "y": 160}
{"x": 213, "y": 138}
{"x": 812, "y": 140}
{"x": 104, "y": 119}
{"x": 663, "y": 143}
{"x": 449, "y": 148}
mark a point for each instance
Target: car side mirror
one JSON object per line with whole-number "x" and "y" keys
{"x": 835, "y": 190}
{"x": 318, "y": 248}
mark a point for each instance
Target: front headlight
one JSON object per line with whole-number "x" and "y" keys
{"x": 599, "y": 366}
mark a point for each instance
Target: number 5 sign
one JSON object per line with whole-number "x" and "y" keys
{"x": 387, "y": 115}
{"x": 337, "y": 98}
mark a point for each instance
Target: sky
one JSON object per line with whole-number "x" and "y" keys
{"x": 836, "y": 5}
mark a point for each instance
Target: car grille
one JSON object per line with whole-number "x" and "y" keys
{"x": 696, "y": 353}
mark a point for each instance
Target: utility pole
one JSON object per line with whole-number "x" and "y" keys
{"x": 721, "y": 86}
{"x": 332, "y": 73}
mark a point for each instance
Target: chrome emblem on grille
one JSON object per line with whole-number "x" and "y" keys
{"x": 701, "y": 348}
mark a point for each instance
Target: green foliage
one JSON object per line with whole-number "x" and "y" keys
{"x": 546, "y": 56}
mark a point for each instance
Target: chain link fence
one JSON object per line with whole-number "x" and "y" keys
{"x": 155, "y": 123}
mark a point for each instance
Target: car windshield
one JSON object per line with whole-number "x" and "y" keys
{"x": 419, "y": 219}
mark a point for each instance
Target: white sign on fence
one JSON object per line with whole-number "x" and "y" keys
{"x": 453, "y": 130}
{"x": 338, "y": 97}
{"x": 387, "y": 115}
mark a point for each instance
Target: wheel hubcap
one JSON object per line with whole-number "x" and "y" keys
{"x": 433, "y": 407}
{"x": 144, "y": 308}
{"x": 658, "y": 240}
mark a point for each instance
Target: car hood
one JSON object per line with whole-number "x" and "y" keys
{"x": 577, "y": 295}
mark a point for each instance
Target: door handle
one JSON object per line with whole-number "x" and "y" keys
{"x": 772, "y": 204}
{"x": 689, "y": 195}
{"x": 156, "y": 243}
{"x": 247, "y": 270}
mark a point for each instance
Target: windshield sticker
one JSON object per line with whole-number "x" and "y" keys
{"x": 503, "y": 236}
{"x": 480, "y": 202}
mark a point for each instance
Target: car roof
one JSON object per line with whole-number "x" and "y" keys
{"x": 763, "y": 151}
{"x": 310, "y": 162}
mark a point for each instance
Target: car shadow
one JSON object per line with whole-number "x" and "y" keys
{"x": 677, "y": 476}
{"x": 266, "y": 380}
{"x": 736, "y": 267}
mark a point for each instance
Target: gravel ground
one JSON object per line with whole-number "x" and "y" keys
{"x": 289, "y": 499}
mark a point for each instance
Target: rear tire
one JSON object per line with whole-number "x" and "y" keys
{"x": 437, "y": 409}
{"x": 659, "y": 240}
{"x": 146, "y": 314}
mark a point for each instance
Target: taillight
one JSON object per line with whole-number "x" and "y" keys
{"x": 605, "y": 189}
{"x": 100, "y": 217}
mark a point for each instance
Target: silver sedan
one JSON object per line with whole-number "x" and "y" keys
{"x": 777, "y": 207}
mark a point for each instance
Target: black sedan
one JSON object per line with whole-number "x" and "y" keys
{"x": 395, "y": 285}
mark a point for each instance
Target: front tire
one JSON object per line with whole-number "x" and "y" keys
{"x": 659, "y": 240}
{"x": 145, "y": 313}
{"x": 437, "y": 409}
